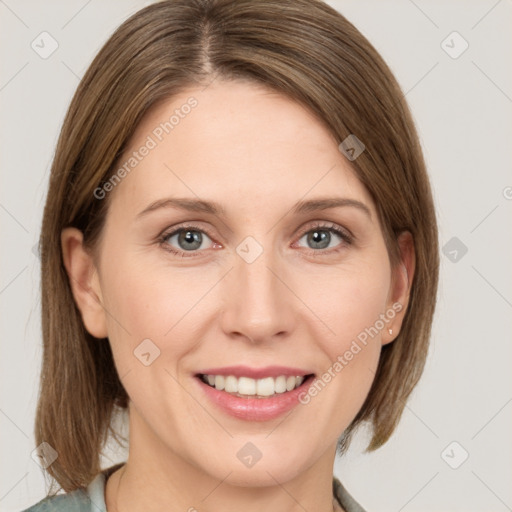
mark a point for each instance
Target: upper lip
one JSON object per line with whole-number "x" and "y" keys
{"x": 256, "y": 373}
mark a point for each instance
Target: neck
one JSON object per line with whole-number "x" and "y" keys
{"x": 156, "y": 478}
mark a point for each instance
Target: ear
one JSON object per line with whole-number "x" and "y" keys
{"x": 402, "y": 278}
{"x": 84, "y": 282}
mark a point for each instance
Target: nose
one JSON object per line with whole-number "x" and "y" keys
{"x": 258, "y": 305}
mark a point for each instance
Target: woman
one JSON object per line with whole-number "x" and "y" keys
{"x": 239, "y": 248}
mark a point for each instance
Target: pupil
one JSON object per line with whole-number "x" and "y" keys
{"x": 320, "y": 239}
{"x": 190, "y": 237}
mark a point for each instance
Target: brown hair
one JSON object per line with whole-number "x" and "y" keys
{"x": 301, "y": 48}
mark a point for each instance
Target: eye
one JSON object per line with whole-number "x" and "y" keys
{"x": 186, "y": 239}
{"x": 189, "y": 240}
{"x": 325, "y": 237}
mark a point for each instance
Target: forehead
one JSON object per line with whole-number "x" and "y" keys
{"x": 237, "y": 143}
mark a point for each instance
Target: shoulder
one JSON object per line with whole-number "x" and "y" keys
{"x": 344, "y": 498}
{"x": 75, "y": 501}
{"x": 89, "y": 499}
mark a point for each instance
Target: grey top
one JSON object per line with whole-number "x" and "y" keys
{"x": 92, "y": 498}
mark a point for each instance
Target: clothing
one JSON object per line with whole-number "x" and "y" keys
{"x": 92, "y": 498}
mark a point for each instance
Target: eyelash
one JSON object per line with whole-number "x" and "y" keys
{"x": 345, "y": 236}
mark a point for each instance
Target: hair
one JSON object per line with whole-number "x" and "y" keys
{"x": 303, "y": 49}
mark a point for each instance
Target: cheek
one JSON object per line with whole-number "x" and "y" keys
{"x": 352, "y": 306}
{"x": 349, "y": 303}
{"x": 153, "y": 302}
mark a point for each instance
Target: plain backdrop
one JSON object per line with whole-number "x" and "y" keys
{"x": 453, "y": 448}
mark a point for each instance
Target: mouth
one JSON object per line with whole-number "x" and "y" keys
{"x": 254, "y": 394}
{"x": 247, "y": 387}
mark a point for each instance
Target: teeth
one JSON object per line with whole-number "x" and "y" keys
{"x": 280, "y": 384}
{"x": 290, "y": 383}
{"x": 231, "y": 384}
{"x": 265, "y": 387}
{"x": 253, "y": 387}
{"x": 246, "y": 386}
{"x": 219, "y": 382}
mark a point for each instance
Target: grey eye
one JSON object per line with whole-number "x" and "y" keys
{"x": 320, "y": 238}
{"x": 188, "y": 239}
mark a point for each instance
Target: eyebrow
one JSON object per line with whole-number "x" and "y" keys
{"x": 182, "y": 203}
{"x": 199, "y": 205}
{"x": 329, "y": 202}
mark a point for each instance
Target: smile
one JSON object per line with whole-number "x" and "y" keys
{"x": 247, "y": 387}
{"x": 254, "y": 394}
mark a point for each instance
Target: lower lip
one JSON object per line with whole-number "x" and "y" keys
{"x": 255, "y": 409}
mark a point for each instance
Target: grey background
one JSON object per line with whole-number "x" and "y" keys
{"x": 462, "y": 107}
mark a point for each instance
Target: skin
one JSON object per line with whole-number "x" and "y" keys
{"x": 257, "y": 154}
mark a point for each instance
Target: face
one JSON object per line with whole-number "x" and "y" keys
{"x": 241, "y": 246}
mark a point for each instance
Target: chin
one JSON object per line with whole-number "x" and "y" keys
{"x": 272, "y": 466}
